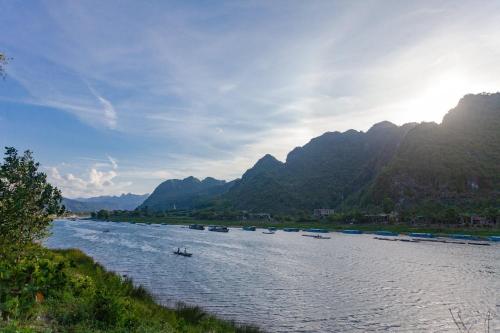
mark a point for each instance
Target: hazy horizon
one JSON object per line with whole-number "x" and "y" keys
{"x": 117, "y": 97}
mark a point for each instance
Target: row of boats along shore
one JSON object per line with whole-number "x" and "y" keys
{"x": 379, "y": 235}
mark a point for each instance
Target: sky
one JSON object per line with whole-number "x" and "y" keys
{"x": 117, "y": 96}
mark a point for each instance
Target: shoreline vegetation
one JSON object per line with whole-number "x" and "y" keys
{"x": 43, "y": 290}
{"x": 67, "y": 291}
{"x": 440, "y": 230}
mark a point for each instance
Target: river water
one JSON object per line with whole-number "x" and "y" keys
{"x": 289, "y": 283}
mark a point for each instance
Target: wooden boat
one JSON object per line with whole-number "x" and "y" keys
{"x": 217, "y": 228}
{"x": 268, "y": 232}
{"x": 385, "y": 233}
{"x": 352, "y": 232}
{"x": 249, "y": 228}
{"x": 421, "y": 235}
{"x": 196, "y": 227}
{"x": 316, "y": 230}
{"x": 386, "y": 239}
{"x": 181, "y": 253}
{"x": 271, "y": 228}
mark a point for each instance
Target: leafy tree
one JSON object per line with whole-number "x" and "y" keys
{"x": 387, "y": 205}
{"x": 27, "y": 202}
{"x": 3, "y": 62}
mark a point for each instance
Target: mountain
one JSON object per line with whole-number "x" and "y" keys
{"x": 123, "y": 202}
{"x": 185, "y": 193}
{"x": 323, "y": 173}
{"x": 456, "y": 162}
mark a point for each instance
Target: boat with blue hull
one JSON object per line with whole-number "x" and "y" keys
{"x": 385, "y": 233}
{"x": 249, "y": 228}
{"x": 272, "y": 228}
{"x": 460, "y": 236}
{"x": 352, "y": 232}
{"x": 421, "y": 235}
{"x": 494, "y": 238}
{"x": 316, "y": 230}
{"x": 291, "y": 229}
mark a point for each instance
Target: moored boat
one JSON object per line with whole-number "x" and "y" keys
{"x": 249, "y": 228}
{"x": 494, "y": 238}
{"x": 385, "y": 233}
{"x": 291, "y": 229}
{"x": 268, "y": 232}
{"x": 421, "y": 235}
{"x": 217, "y": 228}
{"x": 460, "y": 236}
{"x": 271, "y": 228}
{"x": 197, "y": 227}
{"x": 352, "y": 231}
{"x": 316, "y": 230}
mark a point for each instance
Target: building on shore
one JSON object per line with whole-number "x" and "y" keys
{"x": 323, "y": 212}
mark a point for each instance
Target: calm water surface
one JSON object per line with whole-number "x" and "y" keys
{"x": 289, "y": 283}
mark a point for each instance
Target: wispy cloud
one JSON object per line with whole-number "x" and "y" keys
{"x": 207, "y": 90}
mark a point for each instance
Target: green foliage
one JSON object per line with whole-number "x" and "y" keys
{"x": 27, "y": 201}
{"x": 4, "y": 60}
{"x": 80, "y": 296}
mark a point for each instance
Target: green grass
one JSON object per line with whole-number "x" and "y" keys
{"x": 399, "y": 228}
{"x": 91, "y": 299}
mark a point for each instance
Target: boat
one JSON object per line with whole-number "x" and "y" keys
{"x": 249, "y": 228}
{"x": 385, "y": 233}
{"x": 494, "y": 238}
{"x": 196, "y": 227}
{"x": 182, "y": 253}
{"x": 352, "y": 231}
{"x": 421, "y": 235}
{"x": 268, "y": 232}
{"x": 317, "y": 236}
{"x": 217, "y": 228}
{"x": 291, "y": 229}
{"x": 271, "y": 228}
{"x": 105, "y": 230}
{"x": 409, "y": 240}
{"x": 385, "y": 239}
{"x": 460, "y": 236}
{"x": 479, "y": 243}
{"x": 316, "y": 230}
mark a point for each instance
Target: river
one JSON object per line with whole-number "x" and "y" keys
{"x": 289, "y": 283}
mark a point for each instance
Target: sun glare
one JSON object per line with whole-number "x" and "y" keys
{"x": 442, "y": 94}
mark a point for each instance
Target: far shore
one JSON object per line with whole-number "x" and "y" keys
{"x": 438, "y": 230}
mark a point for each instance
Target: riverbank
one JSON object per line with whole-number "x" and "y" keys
{"x": 66, "y": 291}
{"x": 398, "y": 228}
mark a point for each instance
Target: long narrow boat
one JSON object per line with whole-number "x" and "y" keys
{"x": 352, "y": 231}
{"x": 291, "y": 229}
{"x": 181, "y": 253}
{"x": 217, "y": 228}
{"x": 197, "y": 227}
{"x": 386, "y": 233}
{"x": 421, "y": 235}
{"x": 494, "y": 238}
{"x": 317, "y": 236}
{"x": 316, "y": 230}
{"x": 268, "y": 232}
{"x": 249, "y": 228}
{"x": 460, "y": 236}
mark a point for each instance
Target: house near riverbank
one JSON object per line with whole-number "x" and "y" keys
{"x": 323, "y": 212}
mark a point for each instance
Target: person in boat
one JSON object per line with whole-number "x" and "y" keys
{"x": 178, "y": 250}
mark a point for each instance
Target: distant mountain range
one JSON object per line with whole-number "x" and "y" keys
{"x": 123, "y": 202}
{"x": 455, "y": 162}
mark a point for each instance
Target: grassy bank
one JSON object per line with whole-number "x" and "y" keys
{"x": 399, "y": 228}
{"x": 66, "y": 291}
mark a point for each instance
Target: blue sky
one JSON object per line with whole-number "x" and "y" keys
{"x": 116, "y": 96}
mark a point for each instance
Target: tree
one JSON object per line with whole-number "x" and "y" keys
{"x": 3, "y": 62}
{"x": 387, "y": 205}
{"x": 28, "y": 202}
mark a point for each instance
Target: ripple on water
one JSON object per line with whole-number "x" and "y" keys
{"x": 289, "y": 283}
